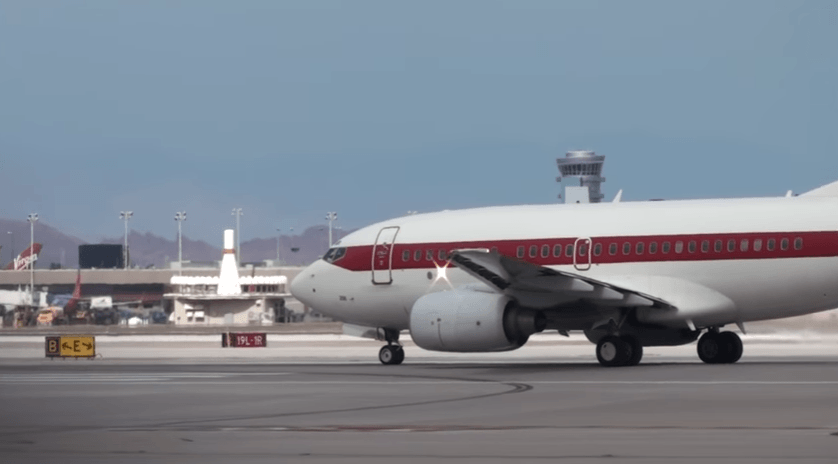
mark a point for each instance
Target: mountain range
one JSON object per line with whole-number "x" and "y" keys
{"x": 150, "y": 250}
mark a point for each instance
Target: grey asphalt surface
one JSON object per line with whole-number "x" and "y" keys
{"x": 762, "y": 410}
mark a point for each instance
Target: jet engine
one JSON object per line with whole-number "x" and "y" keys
{"x": 472, "y": 321}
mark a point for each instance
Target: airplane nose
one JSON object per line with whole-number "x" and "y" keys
{"x": 302, "y": 286}
{"x": 298, "y": 283}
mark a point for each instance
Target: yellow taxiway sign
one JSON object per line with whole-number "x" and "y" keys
{"x": 71, "y": 346}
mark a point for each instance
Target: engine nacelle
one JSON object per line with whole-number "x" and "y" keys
{"x": 472, "y": 321}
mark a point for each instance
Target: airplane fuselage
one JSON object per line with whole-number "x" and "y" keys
{"x": 772, "y": 257}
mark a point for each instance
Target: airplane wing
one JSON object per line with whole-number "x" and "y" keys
{"x": 520, "y": 278}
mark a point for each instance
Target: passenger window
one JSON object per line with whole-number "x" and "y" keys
{"x": 653, "y": 248}
{"x": 545, "y": 251}
{"x": 691, "y": 246}
{"x": 568, "y": 251}
{"x": 798, "y": 243}
{"x": 743, "y": 245}
{"x": 441, "y": 254}
{"x": 784, "y": 244}
{"x": 583, "y": 250}
{"x": 557, "y": 251}
{"x": 597, "y": 249}
{"x": 772, "y": 244}
{"x": 639, "y": 248}
{"x": 757, "y": 244}
{"x": 665, "y": 247}
{"x": 612, "y": 249}
{"x": 429, "y": 255}
{"x": 705, "y": 246}
{"x": 406, "y": 255}
{"x": 679, "y": 247}
{"x": 717, "y": 247}
{"x": 626, "y": 248}
{"x": 731, "y": 245}
{"x": 533, "y": 251}
{"x": 417, "y": 255}
{"x": 520, "y": 252}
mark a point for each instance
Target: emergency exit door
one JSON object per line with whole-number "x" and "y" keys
{"x": 382, "y": 256}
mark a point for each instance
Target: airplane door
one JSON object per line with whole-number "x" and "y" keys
{"x": 582, "y": 254}
{"x": 382, "y": 256}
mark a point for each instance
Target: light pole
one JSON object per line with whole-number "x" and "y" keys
{"x": 278, "y": 230}
{"x": 12, "y": 239}
{"x": 125, "y": 216}
{"x": 32, "y": 218}
{"x": 180, "y": 216}
{"x": 237, "y": 212}
{"x": 331, "y": 216}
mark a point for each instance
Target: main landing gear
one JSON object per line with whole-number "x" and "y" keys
{"x": 716, "y": 347}
{"x": 614, "y": 351}
{"x": 391, "y": 354}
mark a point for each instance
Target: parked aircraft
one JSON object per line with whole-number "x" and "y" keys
{"x": 627, "y": 274}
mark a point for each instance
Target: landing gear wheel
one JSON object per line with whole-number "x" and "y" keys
{"x": 611, "y": 351}
{"x": 710, "y": 348}
{"x": 391, "y": 354}
{"x": 636, "y": 350}
{"x": 720, "y": 348}
{"x": 733, "y": 346}
{"x": 399, "y": 354}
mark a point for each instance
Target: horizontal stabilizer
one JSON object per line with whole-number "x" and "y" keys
{"x": 828, "y": 190}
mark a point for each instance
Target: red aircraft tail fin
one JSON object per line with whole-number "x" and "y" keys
{"x": 74, "y": 300}
{"x": 25, "y": 258}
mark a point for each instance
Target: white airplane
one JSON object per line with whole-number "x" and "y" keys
{"x": 629, "y": 274}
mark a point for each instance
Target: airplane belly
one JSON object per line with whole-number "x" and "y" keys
{"x": 758, "y": 289}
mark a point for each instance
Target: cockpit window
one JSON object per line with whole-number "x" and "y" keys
{"x": 334, "y": 254}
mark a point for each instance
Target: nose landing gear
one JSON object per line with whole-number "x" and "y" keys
{"x": 391, "y": 354}
{"x": 716, "y": 347}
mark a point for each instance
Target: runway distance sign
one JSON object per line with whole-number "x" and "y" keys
{"x": 71, "y": 346}
{"x": 244, "y": 339}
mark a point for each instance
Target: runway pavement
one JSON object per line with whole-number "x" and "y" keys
{"x": 549, "y": 402}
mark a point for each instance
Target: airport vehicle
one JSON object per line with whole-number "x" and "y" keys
{"x": 629, "y": 274}
{"x": 25, "y": 258}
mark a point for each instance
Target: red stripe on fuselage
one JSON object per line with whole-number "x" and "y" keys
{"x": 815, "y": 244}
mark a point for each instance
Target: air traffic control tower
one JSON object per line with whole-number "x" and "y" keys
{"x": 581, "y": 176}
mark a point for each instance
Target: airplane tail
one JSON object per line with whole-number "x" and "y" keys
{"x": 828, "y": 190}
{"x": 25, "y": 258}
{"x": 74, "y": 300}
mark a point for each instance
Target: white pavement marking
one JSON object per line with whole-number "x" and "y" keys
{"x": 119, "y": 377}
{"x": 180, "y": 379}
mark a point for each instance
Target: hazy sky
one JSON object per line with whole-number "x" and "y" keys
{"x": 291, "y": 109}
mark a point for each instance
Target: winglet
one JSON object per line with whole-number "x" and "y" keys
{"x": 618, "y": 197}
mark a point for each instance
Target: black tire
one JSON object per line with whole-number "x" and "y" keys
{"x": 611, "y": 351}
{"x": 733, "y": 346}
{"x": 389, "y": 355}
{"x": 636, "y": 350}
{"x": 399, "y": 354}
{"x": 711, "y": 349}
